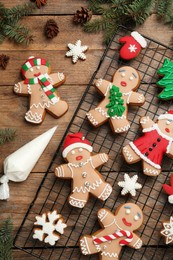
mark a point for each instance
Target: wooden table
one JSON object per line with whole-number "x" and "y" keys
{"x": 78, "y": 75}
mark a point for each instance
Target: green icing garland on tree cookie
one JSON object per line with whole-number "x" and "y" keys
{"x": 167, "y": 81}
{"x": 115, "y": 106}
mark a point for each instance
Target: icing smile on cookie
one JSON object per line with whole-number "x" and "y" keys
{"x": 167, "y": 130}
{"x": 123, "y": 83}
{"x": 78, "y": 158}
{"x": 37, "y": 74}
{"x": 128, "y": 224}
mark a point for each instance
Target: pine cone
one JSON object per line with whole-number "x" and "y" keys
{"x": 51, "y": 29}
{"x": 39, "y": 3}
{"x": 4, "y": 61}
{"x": 82, "y": 16}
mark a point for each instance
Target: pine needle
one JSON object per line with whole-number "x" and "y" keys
{"x": 129, "y": 13}
{"x": 7, "y": 135}
{"x": 6, "y": 240}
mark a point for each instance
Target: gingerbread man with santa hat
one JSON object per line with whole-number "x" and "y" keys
{"x": 81, "y": 168}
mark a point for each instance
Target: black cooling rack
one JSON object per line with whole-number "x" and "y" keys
{"x": 53, "y": 192}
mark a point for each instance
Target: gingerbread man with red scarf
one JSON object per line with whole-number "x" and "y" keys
{"x": 156, "y": 141}
{"x": 40, "y": 85}
{"x": 117, "y": 231}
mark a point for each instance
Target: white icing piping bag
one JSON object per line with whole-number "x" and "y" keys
{"x": 18, "y": 165}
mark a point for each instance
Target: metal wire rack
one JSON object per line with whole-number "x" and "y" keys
{"x": 53, "y": 192}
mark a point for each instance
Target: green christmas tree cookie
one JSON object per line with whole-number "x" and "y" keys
{"x": 167, "y": 81}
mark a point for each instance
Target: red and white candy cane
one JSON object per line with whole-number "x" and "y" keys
{"x": 118, "y": 234}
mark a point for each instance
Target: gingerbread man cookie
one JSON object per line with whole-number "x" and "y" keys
{"x": 117, "y": 231}
{"x": 150, "y": 148}
{"x": 81, "y": 167}
{"x": 40, "y": 85}
{"x": 118, "y": 95}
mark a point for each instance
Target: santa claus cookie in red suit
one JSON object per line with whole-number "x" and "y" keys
{"x": 132, "y": 45}
{"x": 40, "y": 86}
{"x": 117, "y": 231}
{"x": 156, "y": 141}
{"x": 81, "y": 168}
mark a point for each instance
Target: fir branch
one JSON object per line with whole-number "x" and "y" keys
{"x": 7, "y": 135}
{"x": 16, "y": 12}
{"x": 18, "y": 33}
{"x": 9, "y": 26}
{"x": 6, "y": 240}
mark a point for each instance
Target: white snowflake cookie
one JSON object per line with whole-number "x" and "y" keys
{"x": 50, "y": 225}
{"x": 76, "y": 51}
{"x": 167, "y": 232}
{"x": 129, "y": 185}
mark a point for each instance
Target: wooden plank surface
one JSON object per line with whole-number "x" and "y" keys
{"x": 14, "y": 107}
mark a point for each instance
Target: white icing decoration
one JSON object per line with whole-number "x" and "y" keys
{"x": 88, "y": 188}
{"x": 128, "y": 211}
{"x": 60, "y": 171}
{"x": 72, "y": 152}
{"x": 138, "y": 244}
{"x": 84, "y": 246}
{"x": 131, "y": 78}
{"x": 76, "y": 51}
{"x": 151, "y": 171}
{"x": 108, "y": 88}
{"x": 76, "y": 202}
{"x": 80, "y": 149}
{"x": 129, "y": 185}
{"x": 140, "y": 98}
{"x": 106, "y": 192}
{"x": 139, "y": 38}
{"x": 132, "y": 48}
{"x": 18, "y": 87}
{"x": 29, "y": 89}
{"x": 128, "y": 94}
{"x": 167, "y": 232}
{"x": 45, "y": 104}
{"x": 47, "y": 229}
{"x": 92, "y": 119}
{"x": 123, "y": 74}
{"x": 127, "y": 153}
{"x": 122, "y": 129}
{"x": 109, "y": 254}
{"x": 143, "y": 157}
{"x": 105, "y": 114}
{"x": 61, "y": 76}
{"x": 99, "y": 82}
{"x": 144, "y": 120}
{"x": 102, "y": 214}
{"x": 103, "y": 157}
{"x": 34, "y": 118}
{"x": 170, "y": 199}
{"x": 136, "y": 217}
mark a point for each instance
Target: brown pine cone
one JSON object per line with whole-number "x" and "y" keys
{"x": 4, "y": 61}
{"x": 51, "y": 29}
{"x": 82, "y": 16}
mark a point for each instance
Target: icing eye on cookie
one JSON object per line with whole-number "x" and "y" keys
{"x": 80, "y": 149}
{"x": 131, "y": 78}
{"x": 31, "y": 69}
{"x": 128, "y": 210}
{"x": 137, "y": 216}
{"x": 168, "y": 122}
{"x": 38, "y": 67}
{"x": 72, "y": 152}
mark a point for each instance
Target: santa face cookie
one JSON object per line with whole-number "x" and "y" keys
{"x": 156, "y": 141}
{"x": 118, "y": 94}
{"x": 81, "y": 167}
{"x": 40, "y": 85}
{"x": 117, "y": 231}
{"x": 132, "y": 45}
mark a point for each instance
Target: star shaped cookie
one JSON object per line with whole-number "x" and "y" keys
{"x": 167, "y": 232}
{"x": 129, "y": 185}
{"x": 76, "y": 51}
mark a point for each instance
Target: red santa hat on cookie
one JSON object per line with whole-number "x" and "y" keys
{"x": 33, "y": 61}
{"x": 167, "y": 115}
{"x": 73, "y": 141}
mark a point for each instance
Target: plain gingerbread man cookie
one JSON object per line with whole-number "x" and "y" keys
{"x": 81, "y": 167}
{"x": 117, "y": 231}
{"x": 156, "y": 141}
{"x": 118, "y": 94}
{"x": 40, "y": 85}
